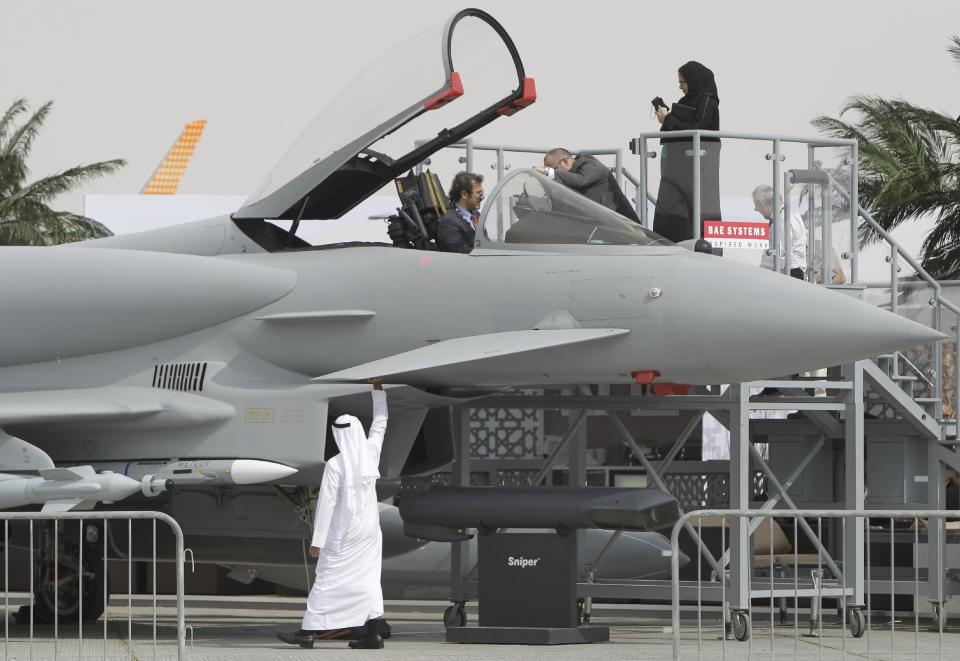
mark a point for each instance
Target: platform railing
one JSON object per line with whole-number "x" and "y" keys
{"x": 640, "y": 146}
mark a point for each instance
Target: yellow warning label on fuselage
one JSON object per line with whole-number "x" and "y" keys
{"x": 259, "y": 415}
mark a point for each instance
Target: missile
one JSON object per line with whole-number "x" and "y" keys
{"x": 212, "y": 472}
{"x": 443, "y": 513}
{"x": 64, "y": 489}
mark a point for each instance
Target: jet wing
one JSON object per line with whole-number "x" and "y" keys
{"x": 107, "y": 404}
{"x": 477, "y": 360}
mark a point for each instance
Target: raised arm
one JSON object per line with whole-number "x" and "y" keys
{"x": 378, "y": 426}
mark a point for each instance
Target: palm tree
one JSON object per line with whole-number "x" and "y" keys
{"x": 25, "y": 218}
{"x": 909, "y": 168}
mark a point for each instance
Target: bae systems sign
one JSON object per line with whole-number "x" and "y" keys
{"x": 737, "y": 234}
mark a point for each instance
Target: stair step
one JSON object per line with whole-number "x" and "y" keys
{"x": 926, "y": 400}
{"x": 904, "y": 377}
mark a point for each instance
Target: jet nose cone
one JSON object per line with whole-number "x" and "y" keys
{"x": 741, "y": 323}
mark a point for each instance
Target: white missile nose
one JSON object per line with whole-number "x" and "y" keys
{"x": 761, "y": 324}
{"x": 256, "y": 471}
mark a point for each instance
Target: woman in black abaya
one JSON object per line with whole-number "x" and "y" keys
{"x": 698, "y": 109}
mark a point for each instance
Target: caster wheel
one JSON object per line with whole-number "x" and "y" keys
{"x": 455, "y": 616}
{"x": 938, "y": 618}
{"x": 856, "y": 622}
{"x": 583, "y": 617}
{"x": 741, "y": 625}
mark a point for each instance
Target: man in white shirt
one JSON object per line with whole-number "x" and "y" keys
{"x": 763, "y": 203}
{"x": 346, "y": 599}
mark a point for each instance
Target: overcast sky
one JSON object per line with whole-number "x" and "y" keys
{"x": 125, "y": 75}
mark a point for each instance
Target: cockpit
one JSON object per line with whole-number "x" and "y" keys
{"x": 528, "y": 208}
{"x": 377, "y": 133}
{"x": 405, "y": 107}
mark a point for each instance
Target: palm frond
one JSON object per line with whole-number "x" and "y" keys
{"x": 934, "y": 121}
{"x": 908, "y": 168}
{"x": 954, "y": 48}
{"x": 25, "y": 218}
{"x": 941, "y": 248}
{"x": 53, "y": 229}
{"x": 50, "y": 187}
{"x": 836, "y": 128}
{"x": 21, "y": 140}
{"x": 17, "y": 107}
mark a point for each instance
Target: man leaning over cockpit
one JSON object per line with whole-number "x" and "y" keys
{"x": 589, "y": 177}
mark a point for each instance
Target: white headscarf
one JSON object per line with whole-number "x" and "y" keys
{"x": 360, "y": 465}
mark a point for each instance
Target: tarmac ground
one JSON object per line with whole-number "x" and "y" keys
{"x": 235, "y": 629}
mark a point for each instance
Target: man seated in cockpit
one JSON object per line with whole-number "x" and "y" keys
{"x": 458, "y": 227}
{"x": 589, "y": 177}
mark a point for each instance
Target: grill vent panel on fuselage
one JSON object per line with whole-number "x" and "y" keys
{"x": 186, "y": 377}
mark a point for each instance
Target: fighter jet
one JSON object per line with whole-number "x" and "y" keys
{"x": 212, "y": 355}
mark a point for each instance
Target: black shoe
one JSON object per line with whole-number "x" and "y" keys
{"x": 302, "y": 638}
{"x": 368, "y": 642}
{"x": 380, "y": 626}
{"x": 22, "y": 615}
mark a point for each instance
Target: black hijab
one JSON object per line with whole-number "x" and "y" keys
{"x": 699, "y": 82}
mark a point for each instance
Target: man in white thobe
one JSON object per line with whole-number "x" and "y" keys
{"x": 347, "y": 542}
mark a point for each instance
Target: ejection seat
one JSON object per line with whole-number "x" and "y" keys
{"x": 422, "y": 205}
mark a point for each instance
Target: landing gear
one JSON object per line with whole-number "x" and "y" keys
{"x": 61, "y": 583}
{"x": 856, "y": 622}
{"x": 455, "y": 615}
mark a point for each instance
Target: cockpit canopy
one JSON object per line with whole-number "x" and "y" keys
{"x": 527, "y": 207}
{"x": 466, "y": 73}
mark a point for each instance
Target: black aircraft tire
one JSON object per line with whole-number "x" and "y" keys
{"x": 68, "y": 600}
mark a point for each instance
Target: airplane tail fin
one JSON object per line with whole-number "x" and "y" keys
{"x": 166, "y": 178}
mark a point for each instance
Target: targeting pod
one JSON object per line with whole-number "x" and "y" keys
{"x": 445, "y": 513}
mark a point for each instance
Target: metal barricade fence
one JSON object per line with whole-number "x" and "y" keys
{"x": 86, "y": 571}
{"x": 854, "y": 589}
